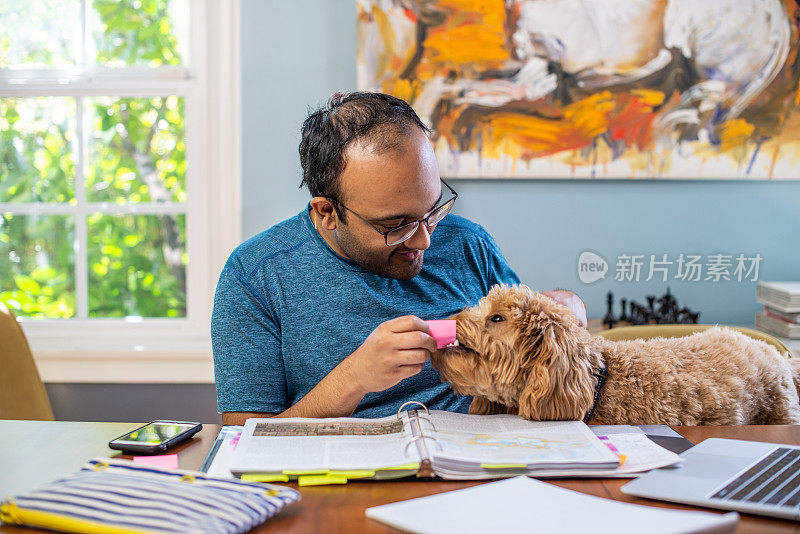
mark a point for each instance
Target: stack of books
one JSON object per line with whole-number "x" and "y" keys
{"x": 781, "y": 315}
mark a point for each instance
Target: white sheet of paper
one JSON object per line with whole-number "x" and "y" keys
{"x": 608, "y": 430}
{"x": 220, "y": 465}
{"x": 642, "y": 454}
{"x": 523, "y": 504}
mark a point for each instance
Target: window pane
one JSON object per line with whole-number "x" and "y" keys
{"x": 37, "y": 137}
{"x": 37, "y": 265}
{"x": 137, "y": 265}
{"x": 137, "y": 151}
{"x": 39, "y": 33}
{"x": 139, "y": 32}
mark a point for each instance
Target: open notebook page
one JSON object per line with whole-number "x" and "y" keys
{"x": 510, "y": 439}
{"x": 274, "y": 445}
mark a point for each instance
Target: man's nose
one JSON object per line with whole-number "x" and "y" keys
{"x": 421, "y": 239}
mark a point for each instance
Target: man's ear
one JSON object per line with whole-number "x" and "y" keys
{"x": 558, "y": 385}
{"x": 323, "y": 214}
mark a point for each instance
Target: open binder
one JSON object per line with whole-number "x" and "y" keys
{"x": 417, "y": 441}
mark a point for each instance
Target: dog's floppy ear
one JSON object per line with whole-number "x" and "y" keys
{"x": 559, "y": 383}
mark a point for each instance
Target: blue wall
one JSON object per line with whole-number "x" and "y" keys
{"x": 295, "y": 54}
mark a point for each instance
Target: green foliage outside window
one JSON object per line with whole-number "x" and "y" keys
{"x": 135, "y": 153}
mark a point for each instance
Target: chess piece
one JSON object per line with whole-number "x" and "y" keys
{"x": 624, "y": 316}
{"x": 609, "y": 319}
{"x": 667, "y": 310}
{"x": 651, "y": 309}
{"x": 638, "y": 315}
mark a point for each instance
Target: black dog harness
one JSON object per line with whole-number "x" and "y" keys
{"x": 601, "y": 375}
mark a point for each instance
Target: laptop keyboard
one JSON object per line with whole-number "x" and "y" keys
{"x": 773, "y": 480}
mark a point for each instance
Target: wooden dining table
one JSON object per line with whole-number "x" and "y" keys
{"x": 33, "y": 453}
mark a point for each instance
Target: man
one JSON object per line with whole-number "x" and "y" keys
{"x": 323, "y": 314}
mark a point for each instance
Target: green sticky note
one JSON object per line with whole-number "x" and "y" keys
{"x": 264, "y": 477}
{"x": 320, "y": 480}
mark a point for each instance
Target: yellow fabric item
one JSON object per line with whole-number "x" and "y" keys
{"x": 648, "y": 331}
{"x": 22, "y": 393}
{"x": 11, "y": 514}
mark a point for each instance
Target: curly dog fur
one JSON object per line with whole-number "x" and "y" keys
{"x": 521, "y": 352}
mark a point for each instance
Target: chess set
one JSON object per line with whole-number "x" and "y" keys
{"x": 633, "y": 313}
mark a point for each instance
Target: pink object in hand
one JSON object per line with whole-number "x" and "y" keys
{"x": 443, "y": 331}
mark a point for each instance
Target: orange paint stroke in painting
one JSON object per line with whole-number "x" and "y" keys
{"x": 404, "y": 89}
{"x": 632, "y": 125}
{"x": 476, "y": 36}
{"x": 797, "y": 95}
{"x": 650, "y": 97}
{"x": 581, "y": 123}
{"x": 590, "y": 115}
{"x": 734, "y": 133}
{"x": 624, "y": 116}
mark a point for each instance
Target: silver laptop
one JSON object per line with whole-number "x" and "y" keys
{"x": 757, "y": 478}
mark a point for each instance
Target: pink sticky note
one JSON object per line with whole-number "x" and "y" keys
{"x": 165, "y": 461}
{"x": 443, "y": 331}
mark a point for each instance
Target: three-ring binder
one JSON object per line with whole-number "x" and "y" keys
{"x": 421, "y": 436}
{"x": 425, "y": 467}
{"x": 414, "y": 414}
{"x": 400, "y": 409}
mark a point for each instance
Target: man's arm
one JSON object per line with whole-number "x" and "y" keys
{"x": 238, "y": 418}
{"x": 334, "y": 396}
{"x": 571, "y": 301}
{"x": 395, "y": 350}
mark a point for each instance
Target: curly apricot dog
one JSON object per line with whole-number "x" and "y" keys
{"x": 521, "y": 352}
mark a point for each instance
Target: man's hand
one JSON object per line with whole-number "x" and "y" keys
{"x": 393, "y": 351}
{"x": 571, "y": 301}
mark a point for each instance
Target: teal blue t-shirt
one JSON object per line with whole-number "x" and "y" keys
{"x": 288, "y": 309}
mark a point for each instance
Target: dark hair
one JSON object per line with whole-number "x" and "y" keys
{"x": 373, "y": 118}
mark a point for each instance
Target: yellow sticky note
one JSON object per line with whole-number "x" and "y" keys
{"x": 503, "y": 466}
{"x": 320, "y": 480}
{"x": 622, "y": 459}
{"x": 403, "y": 467}
{"x": 264, "y": 477}
{"x": 352, "y": 474}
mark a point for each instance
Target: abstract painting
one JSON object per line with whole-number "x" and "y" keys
{"x": 594, "y": 88}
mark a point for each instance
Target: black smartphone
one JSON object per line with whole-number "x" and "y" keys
{"x": 155, "y": 437}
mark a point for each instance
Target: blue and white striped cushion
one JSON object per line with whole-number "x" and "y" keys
{"x": 118, "y": 494}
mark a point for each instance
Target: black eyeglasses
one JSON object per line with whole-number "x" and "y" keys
{"x": 398, "y": 234}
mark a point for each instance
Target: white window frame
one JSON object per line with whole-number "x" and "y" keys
{"x": 155, "y": 350}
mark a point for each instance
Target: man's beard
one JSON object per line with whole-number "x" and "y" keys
{"x": 390, "y": 266}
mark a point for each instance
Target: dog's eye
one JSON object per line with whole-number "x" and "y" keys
{"x": 497, "y": 318}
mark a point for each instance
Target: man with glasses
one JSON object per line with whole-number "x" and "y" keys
{"x": 323, "y": 315}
